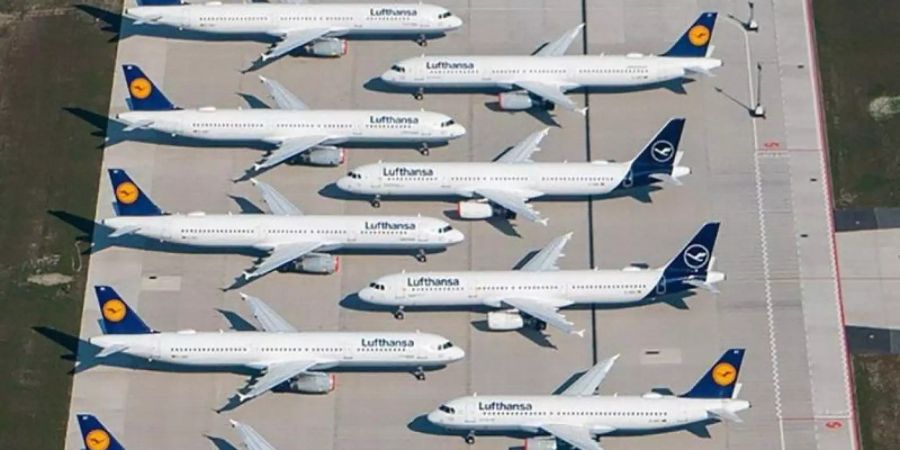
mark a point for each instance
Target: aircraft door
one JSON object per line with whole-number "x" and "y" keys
{"x": 661, "y": 286}
{"x": 470, "y": 412}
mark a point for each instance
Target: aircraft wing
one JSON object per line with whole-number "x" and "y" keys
{"x": 561, "y": 44}
{"x": 291, "y": 40}
{"x": 548, "y": 256}
{"x": 251, "y": 439}
{"x": 275, "y": 374}
{"x": 280, "y": 256}
{"x": 282, "y": 96}
{"x": 544, "y": 311}
{"x": 287, "y": 149}
{"x": 587, "y": 384}
{"x": 270, "y": 320}
{"x": 513, "y": 201}
{"x": 553, "y": 93}
{"x": 279, "y": 205}
{"x": 523, "y": 150}
{"x": 578, "y": 437}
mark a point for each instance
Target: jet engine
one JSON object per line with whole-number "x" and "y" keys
{"x": 332, "y": 47}
{"x": 323, "y": 156}
{"x": 515, "y": 101}
{"x": 318, "y": 263}
{"x": 474, "y": 210}
{"x": 505, "y": 320}
{"x": 540, "y": 443}
{"x": 308, "y": 383}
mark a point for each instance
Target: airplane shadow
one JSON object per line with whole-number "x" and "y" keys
{"x": 236, "y": 322}
{"x": 219, "y": 443}
{"x": 85, "y": 355}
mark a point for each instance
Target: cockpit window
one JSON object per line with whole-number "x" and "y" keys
{"x": 444, "y": 15}
{"x": 397, "y": 68}
{"x": 354, "y": 175}
{"x": 447, "y": 409}
{"x": 445, "y": 229}
{"x": 377, "y": 286}
{"x": 445, "y": 345}
{"x": 447, "y": 123}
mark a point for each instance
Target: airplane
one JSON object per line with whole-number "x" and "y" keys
{"x": 577, "y": 416}
{"x": 294, "y": 241}
{"x": 318, "y": 30}
{"x": 288, "y": 360}
{"x": 536, "y": 292}
{"x": 300, "y": 134}
{"x": 544, "y": 77}
{"x": 97, "y": 437}
{"x": 505, "y": 186}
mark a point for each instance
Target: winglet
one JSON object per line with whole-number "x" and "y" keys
{"x": 95, "y": 435}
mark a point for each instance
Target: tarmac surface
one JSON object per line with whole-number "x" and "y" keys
{"x": 764, "y": 179}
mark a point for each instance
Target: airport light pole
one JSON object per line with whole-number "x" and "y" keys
{"x": 758, "y": 109}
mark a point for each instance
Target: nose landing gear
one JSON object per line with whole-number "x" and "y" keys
{"x": 398, "y": 314}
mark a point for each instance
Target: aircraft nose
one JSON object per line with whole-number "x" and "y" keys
{"x": 457, "y": 354}
{"x": 434, "y": 417}
{"x": 456, "y": 236}
{"x": 458, "y": 130}
{"x": 370, "y": 295}
{"x": 454, "y": 22}
{"x": 388, "y": 76}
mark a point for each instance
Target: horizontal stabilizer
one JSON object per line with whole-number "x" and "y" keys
{"x": 124, "y": 231}
{"x": 111, "y": 350}
{"x": 724, "y": 414}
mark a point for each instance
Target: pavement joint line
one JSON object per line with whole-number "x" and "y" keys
{"x": 770, "y": 313}
{"x": 815, "y": 80}
{"x": 590, "y": 201}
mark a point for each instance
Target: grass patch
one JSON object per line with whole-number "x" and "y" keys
{"x": 857, "y": 43}
{"x": 878, "y": 397}
{"x": 52, "y": 56}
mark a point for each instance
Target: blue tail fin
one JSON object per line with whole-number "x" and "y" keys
{"x": 95, "y": 435}
{"x": 117, "y": 317}
{"x": 130, "y": 200}
{"x": 695, "y": 257}
{"x": 158, "y": 2}
{"x": 660, "y": 152}
{"x": 143, "y": 95}
{"x": 694, "y": 42}
{"x": 720, "y": 380}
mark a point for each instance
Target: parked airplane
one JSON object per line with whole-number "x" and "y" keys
{"x": 300, "y": 134}
{"x": 505, "y": 186}
{"x": 96, "y": 437}
{"x": 538, "y": 290}
{"x": 546, "y": 75}
{"x": 316, "y": 29}
{"x": 288, "y": 360}
{"x": 577, "y": 416}
{"x": 294, "y": 241}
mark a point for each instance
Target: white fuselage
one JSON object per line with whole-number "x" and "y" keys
{"x": 258, "y": 349}
{"x": 266, "y": 231}
{"x": 568, "y": 72}
{"x": 491, "y": 287}
{"x": 277, "y": 19}
{"x": 276, "y": 125}
{"x": 463, "y": 179}
{"x": 596, "y": 413}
